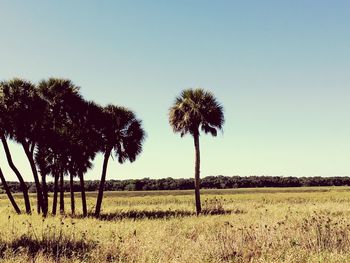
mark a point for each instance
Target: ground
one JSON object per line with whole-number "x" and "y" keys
{"x": 239, "y": 225}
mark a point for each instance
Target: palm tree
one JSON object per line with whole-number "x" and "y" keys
{"x": 66, "y": 110}
{"x": 4, "y": 125}
{"x": 25, "y": 110}
{"x": 60, "y": 95}
{"x": 193, "y": 110}
{"x": 123, "y": 133}
{"x": 83, "y": 143}
{"x": 86, "y": 142}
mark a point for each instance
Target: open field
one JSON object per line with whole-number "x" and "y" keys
{"x": 241, "y": 225}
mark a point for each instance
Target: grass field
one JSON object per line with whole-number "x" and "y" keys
{"x": 240, "y": 225}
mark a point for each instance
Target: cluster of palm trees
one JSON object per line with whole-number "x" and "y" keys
{"x": 61, "y": 133}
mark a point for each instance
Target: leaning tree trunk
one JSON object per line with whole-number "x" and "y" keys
{"x": 197, "y": 174}
{"x": 23, "y": 185}
{"x": 102, "y": 183}
{"x": 45, "y": 207}
{"x": 61, "y": 192}
{"x": 55, "y": 194}
{"x": 72, "y": 199}
{"x": 39, "y": 192}
{"x": 83, "y": 196}
{"x": 8, "y": 192}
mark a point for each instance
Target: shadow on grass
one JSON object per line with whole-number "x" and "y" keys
{"x": 54, "y": 247}
{"x": 159, "y": 214}
{"x": 145, "y": 214}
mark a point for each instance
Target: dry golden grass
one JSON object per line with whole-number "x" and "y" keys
{"x": 262, "y": 225}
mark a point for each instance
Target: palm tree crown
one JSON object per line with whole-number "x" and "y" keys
{"x": 123, "y": 133}
{"x": 23, "y": 107}
{"x": 194, "y": 109}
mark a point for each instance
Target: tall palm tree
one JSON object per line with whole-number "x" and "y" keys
{"x": 5, "y": 125}
{"x": 59, "y": 95}
{"x": 122, "y": 133}
{"x": 25, "y": 110}
{"x": 66, "y": 109}
{"x": 86, "y": 142}
{"x": 195, "y": 110}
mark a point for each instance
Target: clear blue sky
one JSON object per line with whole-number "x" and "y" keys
{"x": 280, "y": 68}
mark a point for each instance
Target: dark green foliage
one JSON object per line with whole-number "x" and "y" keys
{"x": 209, "y": 182}
{"x": 196, "y": 109}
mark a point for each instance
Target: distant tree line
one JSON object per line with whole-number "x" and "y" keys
{"x": 209, "y": 182}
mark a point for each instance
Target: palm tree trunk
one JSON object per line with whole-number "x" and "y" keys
{"x": 72, "y": 199}
{"x": 61, "y": 192}
{"x": 8, "y": 192}
{"x": 23, "y": 185}
{"x": 83, "y": 196}
{"x": 197, "y": 174}
{"x": 39, "y": 192}
{"x": 45, "y": 207}
{"x": 102, "y": 183}
{"x": 55, "y": 194}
